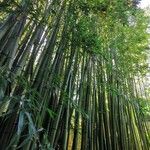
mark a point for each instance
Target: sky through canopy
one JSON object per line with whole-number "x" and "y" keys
{"x": 144, "y": 3}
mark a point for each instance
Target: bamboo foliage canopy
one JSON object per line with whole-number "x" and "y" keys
{"x": 72, "y": 75}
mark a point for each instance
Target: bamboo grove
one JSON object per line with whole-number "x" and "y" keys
{"x": 71, "y": 75}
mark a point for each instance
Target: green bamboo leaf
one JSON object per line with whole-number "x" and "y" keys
{"x": 32, "y": 129}
{"x": 51, "y": 113}
{"x": 20, "y": 122}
